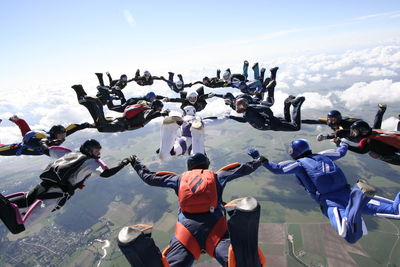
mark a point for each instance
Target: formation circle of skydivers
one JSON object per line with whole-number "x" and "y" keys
{"x": 203, "y": 225}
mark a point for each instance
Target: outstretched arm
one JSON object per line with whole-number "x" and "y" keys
{"x": 108, "y": 172}
{"x": 318, "y": 121}
{"x": 335, "y": 154}
{"x": 72, "y": 128}
{"x": 238, "y": 119}
{"x": 159, "y": 179}
{"x": 236, "y": 170}
{"x": 362, "y": 148}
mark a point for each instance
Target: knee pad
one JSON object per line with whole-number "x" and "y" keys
{"x": 136, "y": 243}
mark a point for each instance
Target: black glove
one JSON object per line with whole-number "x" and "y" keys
{"x": 126, "y": 161}
{"x": 263, "y": 159}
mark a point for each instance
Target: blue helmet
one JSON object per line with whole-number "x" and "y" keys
{"x": 298, "y": 148}
{"x": 150, "y": 95}
{"x": 198, "y": 161}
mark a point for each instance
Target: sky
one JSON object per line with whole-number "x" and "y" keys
{"x": 336, "y": 53}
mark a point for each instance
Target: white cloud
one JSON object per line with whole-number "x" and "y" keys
{"x": 129, "y": 18}
{"x": 381, "y": 91}
{"x": 390, "y": 124}
{"x": 299, "y": 83}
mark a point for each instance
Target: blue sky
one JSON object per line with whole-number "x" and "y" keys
{"x": 63, "y": 38}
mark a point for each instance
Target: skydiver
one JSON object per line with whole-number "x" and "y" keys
{"x": 215, "y": 82}
{"x": 197, "y": 99}
{"x": 149, "y": 98}
{"x": 257, "y": 87}
{"x": 341, "y": 126}
{"x": 201, "y": 224}
{"x": 191, "y": 138}
{"x": 114, "y": 90}
{"x": 37, "y": 142}
{"x": 262, "y": 118}
{"x": 60, "y": 179}
{"x": 379, "y": 144}
{"x": 229, "y": 77}
{"x": 134, "y": 117}
{"x": 146, "y": 79}
{"x": 325, "y": 182}
{"x": 178, "y": 86}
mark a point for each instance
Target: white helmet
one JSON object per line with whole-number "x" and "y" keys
{"x": 192, "y": 97}
{"x": 146, "y": 74}
{"x": 189, "y": 110}
{"x": 179, "y": 84}
{"x": 226, "y": 75}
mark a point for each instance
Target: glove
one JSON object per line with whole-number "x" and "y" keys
{"x": 226, "y": 115}
{"x": 211, "y": 95}
{"x": 321, "y": 137}
{"x": 126, "y": 161}
{"x": 252, "y": 152}
{"x": 166, "y": 99}
{"x": 263, "y": 159}
{"x": 227, "y": 102}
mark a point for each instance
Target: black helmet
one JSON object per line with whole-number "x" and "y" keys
{"x": 87, "y": 147}
{"x": 157, "y": 104}
{"x": 198, "y": 161}
{"x": 334, "y": 114}
{"x": 360, "y": 128}
{"x": 56, "y": 129}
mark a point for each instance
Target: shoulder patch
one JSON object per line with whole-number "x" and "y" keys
{"x": 229, "y": 167}
{"x": 165, "y": 173}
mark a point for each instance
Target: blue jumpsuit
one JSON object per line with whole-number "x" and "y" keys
{"x": 198, "y": 224}
{"x": 325, "y": 182}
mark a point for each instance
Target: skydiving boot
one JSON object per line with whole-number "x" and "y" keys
{"x": 243, "y": 230}
{"x": 137, "y": 74}
{"x": 136, "y": 243}
{"x": 262, "y": 74}
{"x": 80, "y": 92}
{"x": 197, "y": 124}
{"x": 382, "y": 107}
{"x": 172, "y": 119}
{"x": 367, "y": 189}
{"x": 218, "y": 74}
{"x": 14, "y": 118}
{"x": 298, "y": 101}
{"x": 273, "y": 72}
{"x": 9, "y": 214}
{"x": 100, "y": 78}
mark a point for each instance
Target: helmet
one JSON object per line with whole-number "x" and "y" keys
{"x": 241, "y": 105}
{"x": 299, "y": 148}
{"x": 146, "y": 74}
{"x": 198, "y": 161}
{"x": 226, "y": 75}
{"x": 157, "y": 105}
{"x": 179, "y": 84}
{"x": 333, "y": 114}
{"x": 189, "y": 110}
{"x": 87, "y": 147}
{"x": 56, "y": 129}
{"x": 123, "y": 78}
{"x": 192, "y": 97}
{"x": 150, "y": 96}
{"x": 360, "y": 128}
